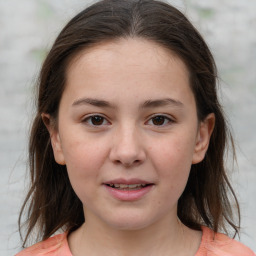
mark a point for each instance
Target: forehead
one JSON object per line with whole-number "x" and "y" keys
{"x": 128, "y": 69}
{"x": 132, "y": 54}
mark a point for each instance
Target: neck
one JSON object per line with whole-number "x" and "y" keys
{"x": 168, "y": 236}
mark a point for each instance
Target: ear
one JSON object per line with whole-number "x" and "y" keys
{"x": 205, "y": 130}
{"x": 55, "y": 138}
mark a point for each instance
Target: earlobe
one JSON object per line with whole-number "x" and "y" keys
{"x": 203, "y": 138}
{"x": 55, "y": 138}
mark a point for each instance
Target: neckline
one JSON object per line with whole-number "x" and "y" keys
{"x": 206, "y": 232}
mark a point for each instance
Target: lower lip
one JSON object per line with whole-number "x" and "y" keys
{"x": 128, "y": 195}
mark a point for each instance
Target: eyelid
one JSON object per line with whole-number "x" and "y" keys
{"x": 87, "y": 117}
{"x": 106, "y": 122}
{"x": 166, "y": 116}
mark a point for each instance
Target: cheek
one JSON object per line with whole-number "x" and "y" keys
{"x": 172, "y": 160}
{"x": 174, "y": 152}
{"x": 83, "y": 158}
{"x": 83, "y": 161}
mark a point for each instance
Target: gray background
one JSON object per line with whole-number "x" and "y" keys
{"x": 27, "y": 29}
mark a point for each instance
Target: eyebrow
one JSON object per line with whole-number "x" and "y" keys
{"x": 93, "y": 102}
{"x": 161, "y": 103}
{"x": 146, "y": 104}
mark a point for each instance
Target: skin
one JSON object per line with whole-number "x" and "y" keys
{"x": 129, "y": 142}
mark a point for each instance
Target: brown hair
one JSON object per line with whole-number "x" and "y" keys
{"x": 51, "y": 203}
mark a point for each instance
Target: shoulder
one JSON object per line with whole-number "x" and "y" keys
{"x": 213, "y": 244}
{"x": 53, "y": 246}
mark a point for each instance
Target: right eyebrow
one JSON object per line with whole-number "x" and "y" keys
{"x": 93, "y": 102}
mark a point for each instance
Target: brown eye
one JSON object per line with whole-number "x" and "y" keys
{"x": 95, "y": 120}
{"x": 158, "y": 120}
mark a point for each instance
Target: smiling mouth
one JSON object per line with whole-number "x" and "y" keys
{"x": 128, "y": 190}
{"x": 128, "y": 186}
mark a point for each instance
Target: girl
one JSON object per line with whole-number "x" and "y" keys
{"x": 127, "y": 147}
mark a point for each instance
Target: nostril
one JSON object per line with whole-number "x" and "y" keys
{"x": 127, "y": 156}
{"x": 132, "y": 163}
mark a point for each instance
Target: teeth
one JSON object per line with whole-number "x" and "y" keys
{"x": 133, "y": 186}
{"x": 126, "y": 186}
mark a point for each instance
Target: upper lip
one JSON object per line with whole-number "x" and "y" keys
{"x": 127, "y": 181}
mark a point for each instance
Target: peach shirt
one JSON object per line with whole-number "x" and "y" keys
{"x": 220, "y": 245}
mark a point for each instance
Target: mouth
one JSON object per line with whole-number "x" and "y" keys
{"x": 128, "y": 190}
{"x": 127, "y": 187}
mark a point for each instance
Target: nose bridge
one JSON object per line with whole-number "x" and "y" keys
{"x": 127, "y": 146}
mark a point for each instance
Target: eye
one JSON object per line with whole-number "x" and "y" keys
{"x": 160, "y": 120}
{"x": 95, "y": 120}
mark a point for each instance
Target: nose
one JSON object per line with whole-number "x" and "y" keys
{"x": 127, "y": 147}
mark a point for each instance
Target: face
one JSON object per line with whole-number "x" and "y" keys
{"x": 128, "y": 132}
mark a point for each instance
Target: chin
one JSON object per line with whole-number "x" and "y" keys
{"x": 129, "y": 223}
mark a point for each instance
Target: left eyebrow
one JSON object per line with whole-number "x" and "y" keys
{"x": 161, "y": 103}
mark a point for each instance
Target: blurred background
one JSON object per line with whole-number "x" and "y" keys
{"x": 27, "y": 30}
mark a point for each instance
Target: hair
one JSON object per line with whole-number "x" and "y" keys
{"x": 51, "y": 204}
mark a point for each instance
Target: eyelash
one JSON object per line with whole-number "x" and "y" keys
{"x": 88, "y": 120}
{"x": 167, "y": 120}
